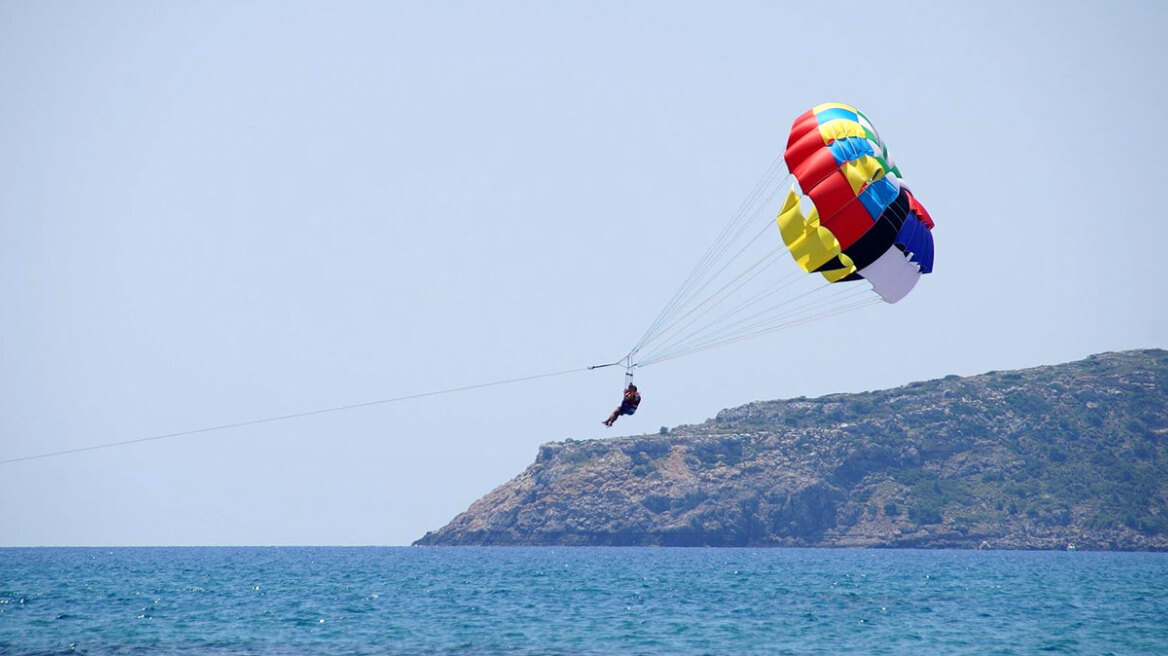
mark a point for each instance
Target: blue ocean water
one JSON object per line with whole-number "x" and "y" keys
{"x": 579, "y": 601}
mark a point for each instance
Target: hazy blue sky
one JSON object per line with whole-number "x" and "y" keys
{"x": 214, "y": 212}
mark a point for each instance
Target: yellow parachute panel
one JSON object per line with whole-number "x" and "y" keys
{"x": 841, "y": 128}
{"x": 862, "y": 172}
{"x": 810, "y": 244}
{"x": 847, "y": 269}
{"x": 831, "y": 105}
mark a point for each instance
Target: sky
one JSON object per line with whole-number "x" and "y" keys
{"x": 213, "y": 213}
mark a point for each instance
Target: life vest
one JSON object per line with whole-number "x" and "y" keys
{"x": 630, "y": 403}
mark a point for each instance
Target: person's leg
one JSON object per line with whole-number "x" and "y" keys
{"x": 612, "y": 417}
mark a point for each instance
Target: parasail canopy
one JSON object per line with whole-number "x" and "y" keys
{"x": 850, "y": 215}
{"x": 844, "y": 212}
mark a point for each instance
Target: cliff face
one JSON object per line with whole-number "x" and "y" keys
{"x": 1073, "y": 454}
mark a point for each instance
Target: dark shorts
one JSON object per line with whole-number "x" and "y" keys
{"x": 627, "y": 410}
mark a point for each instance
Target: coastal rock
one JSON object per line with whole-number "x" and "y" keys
{"x": 1045, "y": 458}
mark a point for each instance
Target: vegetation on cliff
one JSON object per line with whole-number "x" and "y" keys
{"x": 1071, "y": 454}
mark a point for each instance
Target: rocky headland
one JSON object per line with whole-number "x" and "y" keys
{"x": 1054, "y": 457}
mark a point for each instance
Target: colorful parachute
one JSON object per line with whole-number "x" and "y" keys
{"x": 843, "y": 212}
{"x": 863, "y": 222}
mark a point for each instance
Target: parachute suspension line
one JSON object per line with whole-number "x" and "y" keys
{"x": 782, "y": 315}
{"x": 709, "y": 275}
{"x": 717, "y": 324}
{"x": 718, "y": 297}
{"x": 662, "y": 329}
{"x": 757, "y": 203}
{"x": 730, "y": 234}
{"x": 718, "y": 331}
{"x": 784, "y": 311}
{"x": 771, "y": 320}
{"x": 714, "y": 264}
{"x": 783, "y": 326}
{"x": 696, "y": 319}
{"x": 697, "y": 281}
{"x": 811, "y": 303}
{"x": 843, "y": 293}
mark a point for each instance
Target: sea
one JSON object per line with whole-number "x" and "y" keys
{"x": 579, "y": 601}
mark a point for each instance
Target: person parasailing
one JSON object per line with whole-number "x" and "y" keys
{"x": 628, "y": 405}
